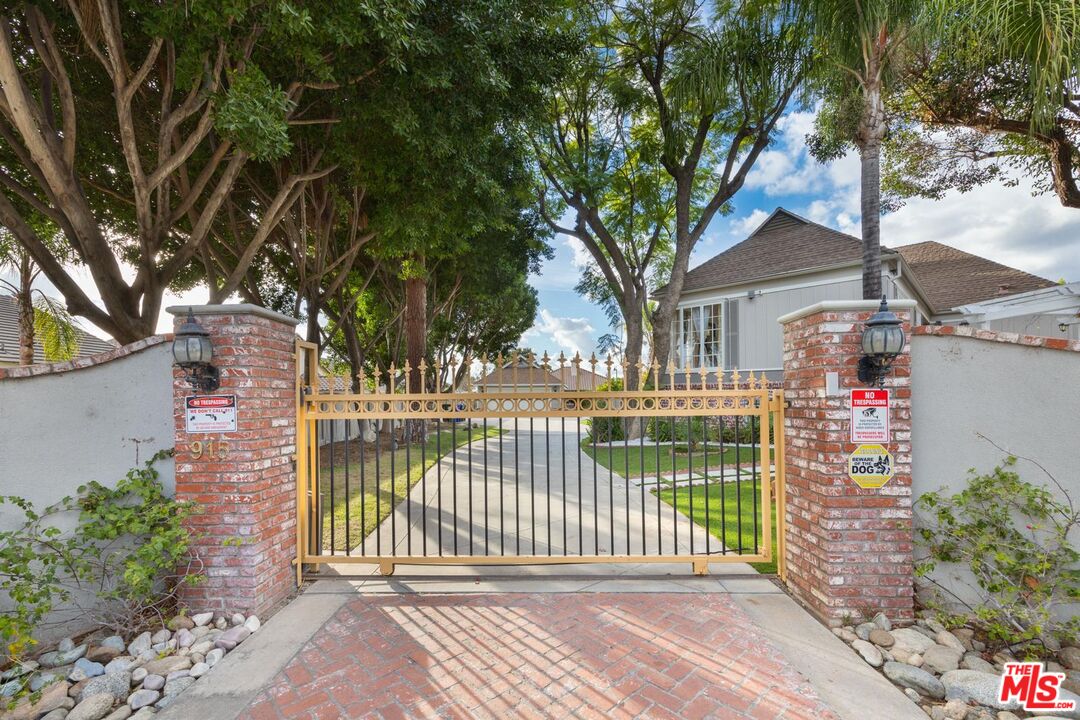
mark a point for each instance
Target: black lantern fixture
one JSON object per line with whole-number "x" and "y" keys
{"x": 882, "y": 340}
{"x": 192, "y": 351}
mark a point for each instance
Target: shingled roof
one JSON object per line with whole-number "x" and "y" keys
{"x": 9, "y": 336}
{"x": 784, "y": 243}
{"x": 950, "y": 277}
{"x": 787, "y": 243}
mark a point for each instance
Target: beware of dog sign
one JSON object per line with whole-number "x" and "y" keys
{"x": 870, "y": 416}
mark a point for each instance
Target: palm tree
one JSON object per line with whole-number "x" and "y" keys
{"x": 858, "y": 42}
{"x": 40, "y": 317}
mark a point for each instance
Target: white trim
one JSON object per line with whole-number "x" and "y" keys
{"x": 678, "y": 329}
{"x": 181, "y": 311}
{"x": 1054, "y": 300}
{"x": 770, "y": 291}
{"x": 845, "y": 305}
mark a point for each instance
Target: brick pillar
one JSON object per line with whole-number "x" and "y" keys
{"x": 849, "y": 550}
{"x": 247, "y": 496}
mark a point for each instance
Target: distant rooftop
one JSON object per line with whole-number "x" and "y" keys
{"x": 9, "y": 337}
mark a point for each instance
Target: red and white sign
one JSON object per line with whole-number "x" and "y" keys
{"x": 1035, "y": 689}
{"x": 870, "y": 416}
{"x": 210, "y": 413}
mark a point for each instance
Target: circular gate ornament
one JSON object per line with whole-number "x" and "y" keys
{"x": 870, "y": 466}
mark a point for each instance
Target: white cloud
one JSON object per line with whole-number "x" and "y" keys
{"x": 580, "y": 257}
{"x": 564, "y": 333}
{"x": 742, "y": 227}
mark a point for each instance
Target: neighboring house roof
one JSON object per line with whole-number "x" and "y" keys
{"x": 788, "y": 244}
{"x": 582, "y": 379}
{"x": 784, "y": 243}
{"x": 510, "y": 375}
{"x": 9, "y": 336}
{"x": 950, "y": 278}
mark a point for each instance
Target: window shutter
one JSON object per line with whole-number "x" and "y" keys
{"x": 730, "y": 320}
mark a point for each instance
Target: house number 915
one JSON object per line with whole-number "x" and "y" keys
{"x": 212, "y": 449}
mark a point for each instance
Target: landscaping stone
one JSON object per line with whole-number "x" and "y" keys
{"x": 94, "y": 707}
{"x": 202, "y": 631}
{"x": 956, "y": 709}
{"x": 57, "y": 714}
{"x": 58, "y": 658}
{"x": 1006, "y": 715}
{"x": 941, "y": 659}
{"x": 140, "y": 644}
{"x": 214, "y": 656}
{"x": 121, "y": 713}
{"x": 47, "y": 678}
{"x": 846, "y": 634}
{"x": 85, "y": 669}
{"x": 911, "y": 641}
{"x": 165, "y": 702}
{"x": 882, "y": 638}
{"x": 236, "y": 619}
{"x": 147, "y": 713}
{"x": 166, "y": 665}
{"x": 863, "y": 630}
{"x": 114, "y": 641}
{"x": 102, "y": 653}
{"x": 20, "y": 669}
{"x": 978, "y": 687}
{"x": 949, "y": 640}
{"x": 252, "y": 623}
{"x": 882, "y": 622}
{"x": 915, "y": 660}
{"x": 177, "y": 674}
{"x": 201, "y": 619}
{"x": 119, "y": 664}
{"x": 184, "y": 638}
{"x": 965, "y": 636}
{"x": 163, "y": 646}
{"x": 199, "y": 669}
{"x": 180, "y": 622}
{"x": 1070, "y": 657}
{"x": 232, "y": 637}
{"x": 913, "y": 696}
{"x": 162, "y": 635}
{"x": 153, "y": 682}
{"x": 142, "y": 698}
{"x": 117, "y": 685}
{"x": 933, "y": 625}
{"x": 869, "y": 653}
{"x": 974, "y": 661}
{"x": 138, "y": 675}
{"x": 221, "y": 623}
{"x": 912, "y": 677}
{"x": 11, "y": 687}
{"x": 53, "y": 697}
{"x": 203, "y": 647}
{"x": 179, "y": 685}
{"x": 66, "y": 645}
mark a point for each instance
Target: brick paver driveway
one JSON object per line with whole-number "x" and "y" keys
{"x": 538, "y": 655}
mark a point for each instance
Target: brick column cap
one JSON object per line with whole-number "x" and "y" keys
{"x": 845, "y": 306}
{"x": 232, "y": 309}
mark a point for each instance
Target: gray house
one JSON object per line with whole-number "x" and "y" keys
{"x": 9, "y": 337}
{"x": 727, "y": 314}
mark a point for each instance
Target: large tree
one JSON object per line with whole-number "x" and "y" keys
{"x": 654, "y": 133}
{"x": 129, "y": 128}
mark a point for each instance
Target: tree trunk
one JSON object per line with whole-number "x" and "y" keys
{"x": 871, "y": 132}
{"x": 633, "y": 426}
{"x": 312, "y": 333}
{"x": 416, "y": 338}
{"x": 25, "y": 301}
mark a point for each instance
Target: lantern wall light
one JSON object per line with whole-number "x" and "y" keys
{"x": 192, "y": 352}
{"x": 882, "y": 340}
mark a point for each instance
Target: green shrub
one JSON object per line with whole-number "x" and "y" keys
{"x": 606, "y": 429}
{"x": 1017, "y": 539}
{"x": 125, "y": 550}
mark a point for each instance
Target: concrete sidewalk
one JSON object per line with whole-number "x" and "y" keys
{"x": 752, "y": 651}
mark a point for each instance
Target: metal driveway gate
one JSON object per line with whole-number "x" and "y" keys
{"x": 530, "y": 472}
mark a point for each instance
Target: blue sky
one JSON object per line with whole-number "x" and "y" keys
{"x": 1005, "y": 224}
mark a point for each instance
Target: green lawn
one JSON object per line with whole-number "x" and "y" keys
{"x": 729, "y": 492}
{"x": 637, "y": 457}
{"x": 378, "y": 498}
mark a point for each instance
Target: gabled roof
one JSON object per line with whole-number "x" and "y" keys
{"x": 521, "y": 374}
{"x": 784, "y": 243}
{"x": 950, "y": 278}
{"x": 9, "y": 336}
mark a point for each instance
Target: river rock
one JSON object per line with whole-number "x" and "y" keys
{"x": 201, "y": 619}
{"x": 153, "y": 682}
{"x": 19, "y": 669}
{"x": 114, "y": 641}
{"x": 140, "y": 644}
{"x": 94, "y": 707}
{"x": 138, "y": 675}
{"x": 53, "y": 697}
{"x": 184, "y": 638}
{"x": 102, "y": 653}
{"x": 882, "y": 621}
{"x": 965, "y": 636}
{"x": 147, "y": 713}
{"x": 232, "y": 637}
{"x": 59, "y": 713}
{"x": 166, "y": 665}
{"x": 869, "y": 652}
{"x": 221, "y": 623}
{"x": 142, "y": 698}
{"x": 119, "y": 664}
{"x": 918, "y": 680}
{"x": 882, "y": 638}
{"x": 202, "y": 631}
{"x": 202, "y": 647}
{"x": 117, "y": 685}
{"x": 179, "y": 685}
{"x": 214, "y": 656}
{"x": 252, "y": 623}
{"x": 949, "y": 640}
{"x": 48, "y": 678}
{"x": 974, "y": 661}
{"x": 846, "y": 634}
{"x": 236, "y": 619}
{"x": 121, "y": 713}
{"x": 180, "y": 622}
{"x": 85, "y": 669}
{"x": 66, "y": 645}
{"x": 910, "y": 641}
{"x": 199, "y": 669}
{"x": 941, "y": 659}
{"x": 161, "y": 636}
{"x": 863, "y": 630}
{"x": 1070, "y": 657}
{"x": 58, "y": 658}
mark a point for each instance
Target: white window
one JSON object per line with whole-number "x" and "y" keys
{"x": 697, "y": 337}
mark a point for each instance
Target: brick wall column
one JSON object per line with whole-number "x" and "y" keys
{"x": 249, "y": 495}
{"x": 849, "y": 550}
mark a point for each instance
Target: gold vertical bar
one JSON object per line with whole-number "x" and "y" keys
{"x": 781, "y": 487}
{"x": 764, "y": 418}
{"x": 300, "y": 463}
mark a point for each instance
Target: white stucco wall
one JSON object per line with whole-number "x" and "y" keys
{"x": 1025, "y": 399}
{"x": 60, "y": 430}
